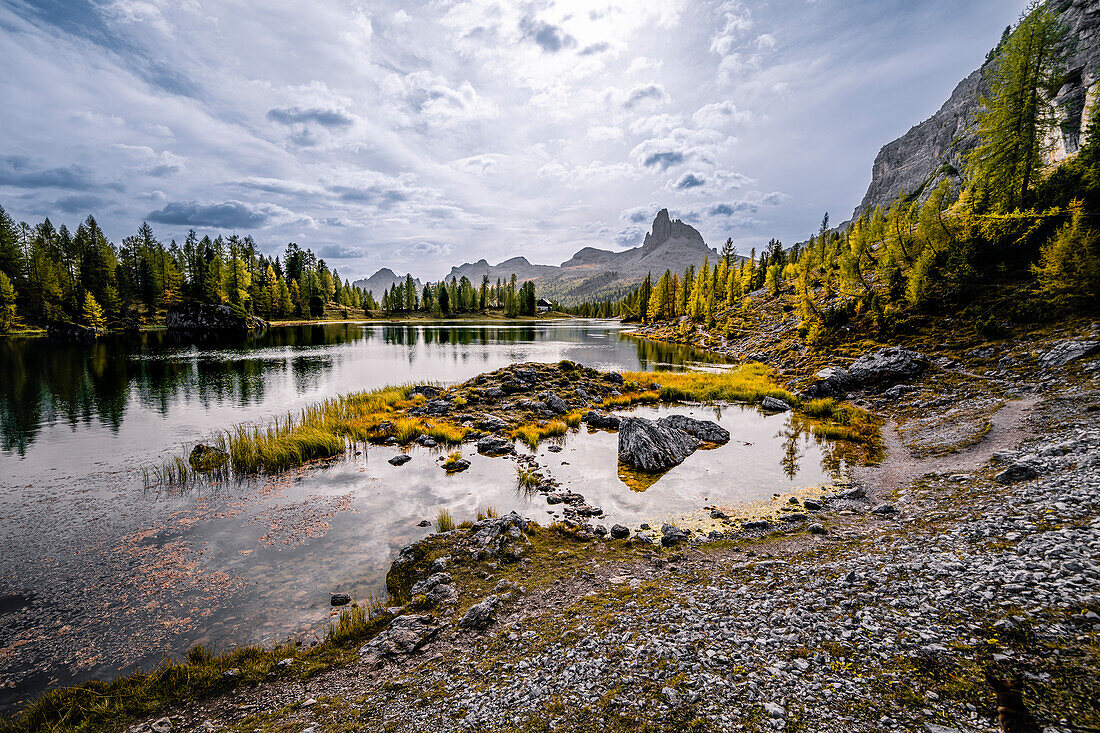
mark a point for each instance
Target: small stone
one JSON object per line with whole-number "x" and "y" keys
{"x": 424, "y": 523}
{"x": 161, "y": 725}
{"x": 816, "y": 528}
{"x": 772, "y": 404}
{"x": 775, "y": 711}
{"x": 619, "y": 532}
{"x": 883, "y": 509}
{"x": 400, "y": 459}
{"x": 340, "y": 599}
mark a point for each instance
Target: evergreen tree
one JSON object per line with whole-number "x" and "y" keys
{"x": 1016, "y": 119}
{"x": 8, "y": 295}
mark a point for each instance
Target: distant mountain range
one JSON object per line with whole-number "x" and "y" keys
{"x": 590, "y": 273}
{"x": 382, "y": 281}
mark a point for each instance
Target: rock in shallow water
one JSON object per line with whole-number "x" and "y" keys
{"x": 495, "y": 445}
{"x": 653, "y": 446}
{"x": 774, "y": 405}
{"x": 707, "y": 430}
{"x": 400, "y": 459}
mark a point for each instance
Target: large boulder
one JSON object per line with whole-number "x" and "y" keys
{"x": 206, "y": 317}
{"x": 1066, "y": 351}
{"x": 707, "y": 430}
{"x": 829, "y": 382}
{"x": 555, "y": 404}
{"x": 886, "y": 366}
{"x": 405, "y": 635}
{"x": 652, "y": 446}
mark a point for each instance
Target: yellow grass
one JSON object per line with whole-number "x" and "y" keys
{"x": 444, "y": 522}
{"x": 533, "y": 434}
{"x": 746, "y": 383}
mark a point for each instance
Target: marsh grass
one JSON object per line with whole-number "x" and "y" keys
{"x": 746, "y": 383}
{"x": 533, "y": 434}
{"x": 487, "y": 513}
{"x": 452, "y": 462}
{"x": 842, "y": 421}
{"x": 324, "y": 430}
{"x": 444, "y": 522}
{"x": 527, "y": 479}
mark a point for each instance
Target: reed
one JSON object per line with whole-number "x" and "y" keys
{"x": 487, "y": 513}
{"x": 444, "y": 522}
{"x": 533, "y": 434}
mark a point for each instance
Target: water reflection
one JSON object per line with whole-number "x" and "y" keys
{"x": 93, "y": 386}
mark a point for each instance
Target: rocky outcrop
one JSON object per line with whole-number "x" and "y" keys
{"x": 205, "y": 317}
{"x": 877, "y": 369}
{"x": 1066, "y": 351}
{"x": 891, "y": 364}
{"x": 481, "y": 615}
{"x": 405, "y": 635}
{"x": 937, "y": 148}
{"x": 600, "y": 421}
{"x": 495, "y": 445}
{"x": 71, "y": 332}
{"x": 651, "y": 446}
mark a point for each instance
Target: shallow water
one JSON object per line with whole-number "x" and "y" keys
{"x": 99, "y": 576}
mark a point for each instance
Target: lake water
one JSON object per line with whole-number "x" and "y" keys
{"x": 99, "y": 576}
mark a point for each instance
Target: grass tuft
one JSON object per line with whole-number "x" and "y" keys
{"x": 444, "y": 522}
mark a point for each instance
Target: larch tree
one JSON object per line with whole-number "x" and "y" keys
{"x": 1016, "y": 119}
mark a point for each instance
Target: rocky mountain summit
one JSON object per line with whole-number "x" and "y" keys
{"x": 937, "y": 148}
{"x": 593, "y": 272}
{"x": 382, "y": 281}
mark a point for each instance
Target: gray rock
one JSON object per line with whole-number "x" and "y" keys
{"x": 495, "y": 445}
{"x": 772, "y": 404}
{"x": 652, "y": 446}
{"x": 339, "y": 599}
{"x": 672, "y": 536}
{"x": 707, "y": 430}
{"x": 604, "y": 422}
{"x": 492, "y": 423}
{"x": 400, "y": 459}
{"x": 481, "y": 615}
{"x": 205, "y": 317}
{"x": 816, "y": 528}
{"x": 756, "y": 524}
{"x": 405, "y": 635}
{"x": 812, "y": 504}
{"x": 556, "y": 404}
{"x": 887, "y": 365}
{"x": 1066, "y": 351}
{"x": 829, "y": 382}
{"x": 619, "y": 532}
{"x": 1016, "y": 471}
{"x": 436, "y": 587}
{"x": 883, "y": 509}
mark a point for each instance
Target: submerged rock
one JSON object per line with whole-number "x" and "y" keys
{"x": 495, "y": 445}
{"x": 206, "y": 457}
{"x": 707, "y": 430}
{"x": 653, "y": 446}
{"x": 339, "y": 599}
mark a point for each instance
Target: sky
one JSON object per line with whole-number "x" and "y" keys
{"x": 422, "y": 135}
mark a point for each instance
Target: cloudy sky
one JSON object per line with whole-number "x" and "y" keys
{"x": 422, "y": 135}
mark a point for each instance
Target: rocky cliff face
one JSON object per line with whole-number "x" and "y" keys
{"x": 937, "y": 148}
{"x": 591, "y": 272}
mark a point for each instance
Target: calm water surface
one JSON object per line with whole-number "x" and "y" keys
{"x": 99, "y": 576}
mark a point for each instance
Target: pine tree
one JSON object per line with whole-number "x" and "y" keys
{"x": 1016, "y": 119}
{"x": 8, "y": 297}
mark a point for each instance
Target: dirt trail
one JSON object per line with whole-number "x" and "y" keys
{"x": 901, "y": 467}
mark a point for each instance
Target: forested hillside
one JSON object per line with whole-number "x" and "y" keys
{"x": 1018, "y": 241}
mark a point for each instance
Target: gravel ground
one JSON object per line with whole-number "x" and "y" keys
{"x": 889, "y": 621}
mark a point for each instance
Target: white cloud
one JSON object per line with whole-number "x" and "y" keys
{"x": 720, "y": 115}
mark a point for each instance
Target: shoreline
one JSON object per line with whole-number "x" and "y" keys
{"x": 883, "y": 483}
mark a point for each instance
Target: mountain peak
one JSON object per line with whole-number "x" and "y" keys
{"x": 665, "y": 229}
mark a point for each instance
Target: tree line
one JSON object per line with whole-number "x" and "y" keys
{"x": 50, "y": 275}
{"x": 1017, "y": 239}
{"x": 461, "y": 296}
